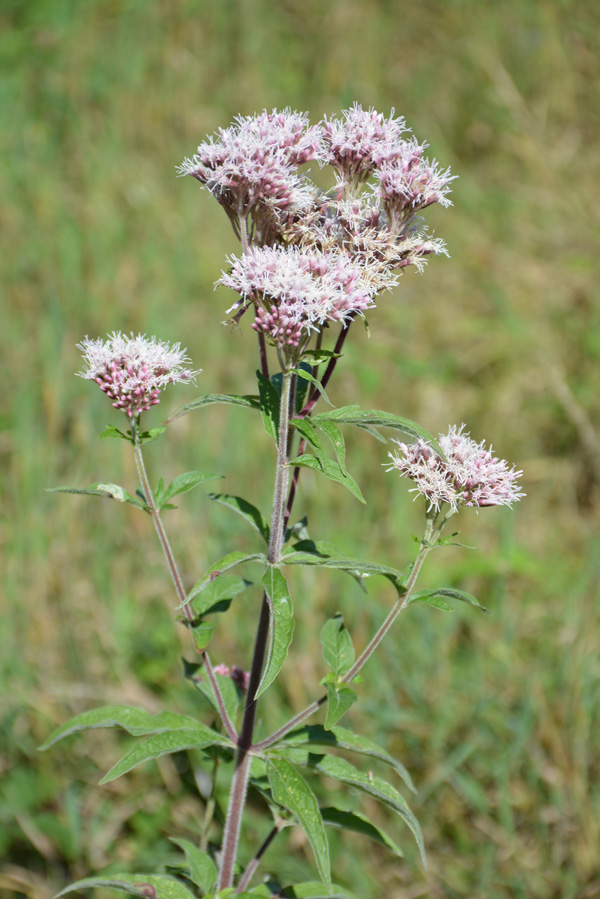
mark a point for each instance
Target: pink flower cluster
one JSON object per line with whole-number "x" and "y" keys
{"x": 251, "y": 167}
{"x": 132, "y": 371}
{"x": 297, "y": 292}
{"x": 469, "y": 476}
{"x": 252, "y": 170}
{"x": 360, "y": 142}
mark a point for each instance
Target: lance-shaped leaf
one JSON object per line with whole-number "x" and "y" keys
{"x": 310, "y": 377}
{"x": 137, "y": 722}
{"x": 338, "y": 650}
{"x": 269, "y": 405}
{"x": 217, "y": 595}
{"x": 341, "y": 738}
{"x": 183, "y": 484}
{"x": 290, "y": 790}
{"x": 373, "y": 418}
{"x": 336, "y": 817}
{"x": 108, "y": 491}
{"x": 147, "y": 886}
{"x": 337, "y": 441}
{"x": 431, "y": 598}
{"x": 111, "y": 431}
{"x": 250, "y": 513}
{"x": 250, "y": 402}
{"x": 311, "y": 889}
{"x": 165, "y": 744}
{"x": 325, "y": 555}
{"x": 219, "y": 568}
{"x": 344, "y": 772}
{"x": 331, "y": 470}
{"x": 230, "y": 692}
{"x": 203, "y": 871}
{"x": 339, "y": 699}
{"x": 281, "y": 625}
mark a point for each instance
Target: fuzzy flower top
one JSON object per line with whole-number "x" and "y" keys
{"x": 250, "y": 167}
{"x": 132, "y": 371}
{"x": 471, "y": 476}
{"x": 296, "y": 292}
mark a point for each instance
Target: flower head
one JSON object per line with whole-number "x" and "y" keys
{"x": 410, "y": 183}
{"x": 470, "y": 475}
{"x": 132, "y": 371}
{"x": 360, "y": 142}
{"x": 251, "y": 166}
{"x": 297, "y": 292}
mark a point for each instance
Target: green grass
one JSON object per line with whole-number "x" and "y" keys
{"x": 496, "y": 716}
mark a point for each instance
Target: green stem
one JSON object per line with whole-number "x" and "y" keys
{"x": 174, "y": 570}
{"x": 239, "y": 784}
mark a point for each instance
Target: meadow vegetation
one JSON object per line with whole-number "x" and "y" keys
{"x": 497, "y": 717}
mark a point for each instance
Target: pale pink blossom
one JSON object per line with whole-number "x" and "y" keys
{"x": 132, "y": 371}
{"x": 251, "y": 167}
{"x": 295, "y": 292}
{"x": 469, "y": 476}
{"x": 361, "y": 141}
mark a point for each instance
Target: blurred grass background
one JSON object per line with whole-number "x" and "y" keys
{"x": 496, "y": 716}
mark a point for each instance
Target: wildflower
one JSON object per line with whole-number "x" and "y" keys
{"x": 132, "y": 371}
{"x": 469, "y": 476}
{"x": 250, "y": 167}
{"x": 410, "y": 183}
{"x": 360, "y": 142}
{"x": 296, "y": 292}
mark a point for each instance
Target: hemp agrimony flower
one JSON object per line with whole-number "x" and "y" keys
{"x": 470, "y": 475}
{"x": 296, "y": 292}
{"x": 132, "y": 371}
{"x": 250, "y": 168}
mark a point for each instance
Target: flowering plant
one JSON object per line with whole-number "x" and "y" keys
{"x": 311, "y": 265}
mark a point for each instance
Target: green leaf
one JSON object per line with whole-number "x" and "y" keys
{"x": 316, "y": 357}
{"x": 202, "y": 632}
{"x": 325, "y": 555}
{"x": 186, "y": 482}
{"x": 152, "y": 434}
{"x": 230, "y": 692}
{"x": 339, "y": 700}
{"x": 253, "y": 516}
{"x": 136, "y": 722}
{"x": 203, "y": 871}
{"x": 359, "y": 824}
{"x": 148, "y": 886}
{"x": 337, "y": 440}
{"x": 313, "y": 890}
{"x": 341, "y": 738}
{"x": 220, "y": 568}
{"x": 111, "y": 431}
{"x": 281, "y": 625}
{"x": 331, "y": 470}
{"x": 432, "y": 600}
{"x": 251, "y": 402}
{"x": 369, "y": 418}
{"x": 338, "y": 650}
{"x": 429, "y": 597}
{"x": 310, "y": 377}
{"x": 269, "y": 405}
{"x": 292, "y": 792}
{"x": 341, "y": 770}
{"x": 109, "y": 491}
{"x": 165, "y": 744}
{"x": 217, "y": 594}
